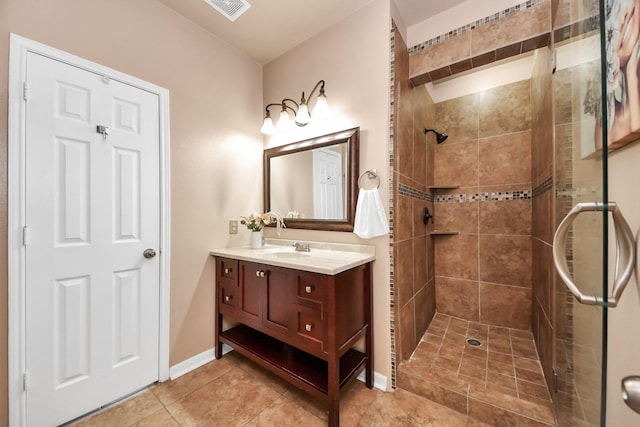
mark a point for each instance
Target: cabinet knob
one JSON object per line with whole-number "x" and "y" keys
{"x": 227, "y": 298}
{"x": 227, "y": 270}
{"x": 308, "y": 289}
{"x": 308, "y": 327}
{"x": 260, "y": 273}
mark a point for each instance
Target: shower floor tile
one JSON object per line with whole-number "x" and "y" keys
{"x": 499, "y": 381}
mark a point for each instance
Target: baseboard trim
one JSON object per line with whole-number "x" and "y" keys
{"x": 379, "y": 380}
{"x": 191, "y": 363}
{"x": 186, "y": 366}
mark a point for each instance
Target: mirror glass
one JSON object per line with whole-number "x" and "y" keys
{"x": 313, "y": 183}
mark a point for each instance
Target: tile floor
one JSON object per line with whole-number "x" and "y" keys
{"x": 447, "y": 382}
{"x": 233, "y": 391}
{"x": 499, "y": 382}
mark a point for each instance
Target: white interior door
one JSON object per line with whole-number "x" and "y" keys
{"x": 92, "y": 209}
{"x": 327, "y": 185}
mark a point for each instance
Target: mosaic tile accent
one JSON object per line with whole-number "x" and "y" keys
{"x": 571, "y": 193}
{"x": 542, "y": 188}
{"x": 484, "y": 21}
{"x": 406, "y": 190}
{"x": 392, "y": 73}
{"x": 577, "y": 29}
{"x": 484, "y": 197}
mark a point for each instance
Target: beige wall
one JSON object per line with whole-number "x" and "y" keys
{"x": 353, "y": 58}
{"x": 215, "y": 151}
{"x": 624, "y": 333}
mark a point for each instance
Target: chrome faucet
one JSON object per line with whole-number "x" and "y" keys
{"x": 301, "y": 247}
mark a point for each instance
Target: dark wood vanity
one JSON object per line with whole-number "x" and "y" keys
{"x": 303, "y": 326}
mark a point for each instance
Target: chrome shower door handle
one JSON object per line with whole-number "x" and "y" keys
{"x": 625, "y": 254}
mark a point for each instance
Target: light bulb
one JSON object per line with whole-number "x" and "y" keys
{"x": 267, "y": 126}
{"x": 284, "y": 122}
{"x": 303, "y": 118}
{"x": 321, "y": 109}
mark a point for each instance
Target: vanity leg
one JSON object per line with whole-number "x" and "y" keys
{"x": 368, "y": 313}
{"x": 216, "y": 337}
{"x": 334, "y": 392}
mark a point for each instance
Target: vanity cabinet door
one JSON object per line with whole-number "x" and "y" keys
{"x": 251, "y": 284}
{"x": 265, "y": 297}
{"x": 276, "y": 314}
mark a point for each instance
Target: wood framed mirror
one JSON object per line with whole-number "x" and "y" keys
{"x": 313, "y": 183}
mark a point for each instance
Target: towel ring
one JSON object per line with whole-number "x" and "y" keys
{"x": 371, "y": 173}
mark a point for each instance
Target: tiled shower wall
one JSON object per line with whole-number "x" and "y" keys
{"x": 542, "y": 171}
{"x": 413, "y": 284}
{"x": 484, "y": 272}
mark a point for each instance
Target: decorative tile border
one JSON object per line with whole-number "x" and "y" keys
{"x": 571, "y": 193}
{"x": 392, "y": 309}
{"x": 484, "y": 197}
{"x": 406, "y": 190}
{"x": 484, "y": 21}
{"x": 576, "y": 29}
{"x": 544, "y": 187}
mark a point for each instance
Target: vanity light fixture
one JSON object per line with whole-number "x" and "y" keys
{"x": 300, "y": 111}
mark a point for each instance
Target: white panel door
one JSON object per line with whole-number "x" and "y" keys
{"x": 92, "y": 208}
{"x": 327, "y": 185}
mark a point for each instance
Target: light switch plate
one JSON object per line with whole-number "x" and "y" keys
{"x": 233, "y": 226}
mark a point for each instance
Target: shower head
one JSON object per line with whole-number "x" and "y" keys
{"x": 440, "y": 137}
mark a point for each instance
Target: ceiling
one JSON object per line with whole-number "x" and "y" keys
{"x": 269, "y": 28}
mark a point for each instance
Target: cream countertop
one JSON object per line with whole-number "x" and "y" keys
{"x": 324, "y": 258}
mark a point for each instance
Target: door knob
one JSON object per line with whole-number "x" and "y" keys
{"x": 149, "y": 253}
{"x": 631, "y": 392}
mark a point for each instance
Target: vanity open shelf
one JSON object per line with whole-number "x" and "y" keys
{"x": 305, "y": 370}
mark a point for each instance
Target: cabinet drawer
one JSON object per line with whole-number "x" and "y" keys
{"x": 228, "y": 269}
{"x": 310, "y": 328}
{"x": 309, "y": 290}
{"x": 228, "y": 296}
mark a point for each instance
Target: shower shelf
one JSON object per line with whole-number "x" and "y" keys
{"x": 444, "y": 233}
{"x": 443, "y": 187}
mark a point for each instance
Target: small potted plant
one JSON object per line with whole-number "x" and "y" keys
{"x": 256, "y": 222}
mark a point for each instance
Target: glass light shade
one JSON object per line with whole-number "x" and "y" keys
{"x": 321, "y": 109}
{"x": 303, "y": 118}
{"x": 284, "y": 121}
{"x": 267, "y": 126}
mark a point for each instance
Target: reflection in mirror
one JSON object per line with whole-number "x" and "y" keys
{"x": 311, "y": 183}
{"x": 321, "y": 170}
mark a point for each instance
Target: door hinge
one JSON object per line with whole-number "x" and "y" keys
{"x": 555, "y": 381}
{"x": 26, "y": 236}
{"x": 25, "y": 382}
{"x": 25, "y": 91}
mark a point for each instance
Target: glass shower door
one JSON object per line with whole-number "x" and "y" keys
{"x": 580, "y": 330}
{"x": 584, "y": 218}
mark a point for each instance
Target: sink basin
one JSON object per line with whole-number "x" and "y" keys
{"x": 287, "y": 255}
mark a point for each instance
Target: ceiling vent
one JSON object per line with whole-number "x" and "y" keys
{"x": 232, "y": 9}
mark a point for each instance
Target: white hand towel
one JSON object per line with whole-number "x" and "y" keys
{"x": 370, "y": 220}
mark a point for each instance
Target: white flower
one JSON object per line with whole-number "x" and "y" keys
{"x": 256, "y": 221}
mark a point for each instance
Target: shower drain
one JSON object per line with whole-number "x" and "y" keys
{"x": 474, "y": 342}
